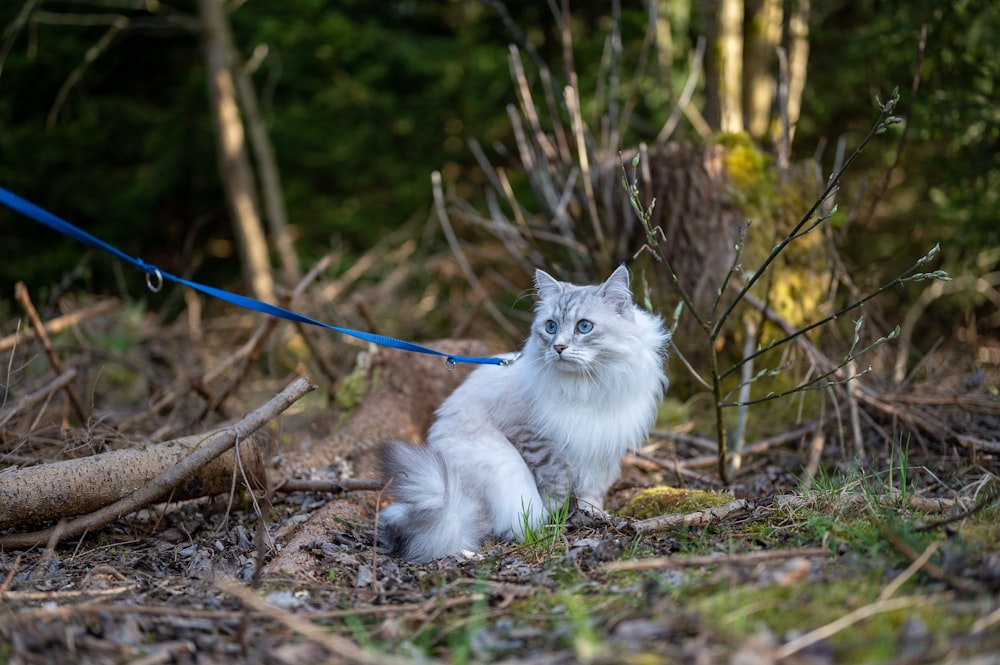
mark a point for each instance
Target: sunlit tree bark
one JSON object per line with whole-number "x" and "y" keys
{"x": 741, "y": 64}
{"x": 797, "y": 36}
{"x": 761, "y": 40}
{"x": 724, "y": 64}
{"x": 270, "y": 180}
{"x": 234, "y": 162}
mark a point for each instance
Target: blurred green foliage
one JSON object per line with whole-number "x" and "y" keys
{"x": 947, "y": 183}
{"x": 362, "y": 102}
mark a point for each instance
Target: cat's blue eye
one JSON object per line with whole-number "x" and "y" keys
{"x": 583, "y": 326}
{"x": 551, "y": 327}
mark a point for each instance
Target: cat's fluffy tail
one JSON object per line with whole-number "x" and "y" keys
{"x": 432, "y": 516}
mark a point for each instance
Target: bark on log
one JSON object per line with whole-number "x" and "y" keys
{"x": 215, "y": 445}
{"x": 75, "y": 487}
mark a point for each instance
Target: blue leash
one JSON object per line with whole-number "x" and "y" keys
{"x": 155, "y": 277}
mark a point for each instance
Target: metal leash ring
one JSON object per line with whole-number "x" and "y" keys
{"x": 154, "y": 287}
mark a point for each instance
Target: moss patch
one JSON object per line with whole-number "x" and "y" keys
{"x": 352, "y": 390}
{"x": 664, "y": 500}
{"x": 787, "y": 611}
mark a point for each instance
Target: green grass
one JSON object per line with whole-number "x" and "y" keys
{"x": 549, "y": 533}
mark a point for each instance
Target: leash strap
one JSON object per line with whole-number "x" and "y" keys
{"x": 155, "y": 278}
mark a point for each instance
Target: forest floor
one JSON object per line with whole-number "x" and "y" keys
{"x": 888, "y": 553}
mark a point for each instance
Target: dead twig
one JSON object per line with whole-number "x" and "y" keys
{"x": 659, "y": 563}
{"x": 752, "y": 449}
{"x": 985, "y": 285}
{"x": 463, "y": 262}
{"x": 63, "y": 322}
{"x": 37, "y": 396}
{"x": 62, "y": 597}
{"x": 918, "y": 420}
{"x": 263, "y": 334}
{"x": 931, "y": 569}
{"x": 684, "y": 101}
{"x": 982, "y": 503}
{"x": 10, "y": 576}
{"x": 246, "y": 354}
{"x": 824, "y": 632}
{"x": 21, "y": 293}
{"x": 329, "y": 486}
{"x": 918, "y": 563}
{"x": 335, "y": 644}
{"x": 164, "y": 483}
{"x": 766, "y": 506}
{"x": 64, "y": 610}
{"x": 702, "y": 517}
{"x": 325, "y": 367}
{"x": 177, "y": 393}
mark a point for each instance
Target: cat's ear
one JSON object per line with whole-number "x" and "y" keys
{"x": 546, "y": 285}
{"x": 616, "y": 291}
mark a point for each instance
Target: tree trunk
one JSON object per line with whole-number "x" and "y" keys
{"x": 798, "y": 59}
{"x": 724, "y": 65}
{"x": 762, "y": 38}
{"x": 664, "y": 46}
{"x": 270, "y": 181}
{"x": 234, "y": 163}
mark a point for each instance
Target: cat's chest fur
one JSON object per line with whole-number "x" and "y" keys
{"x": 590, "y": 427}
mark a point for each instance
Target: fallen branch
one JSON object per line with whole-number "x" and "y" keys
{"x": 329, "y": 486}
{"x": 766, "y": 506}
{"x": 702, "y": 517}
{"x": 170, "y": 479}
{"x": 78, "y": 486}
{"x": 21, "y": 293}
{"x": 923, "y": 559}
{"x": 657, "y": 563}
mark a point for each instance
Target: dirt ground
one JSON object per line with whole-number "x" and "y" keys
{"x": 784, "y": 571}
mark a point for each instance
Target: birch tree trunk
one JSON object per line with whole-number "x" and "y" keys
{"x": 234, "y": 162}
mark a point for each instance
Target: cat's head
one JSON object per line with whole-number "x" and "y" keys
{"x": 580, "y": 329}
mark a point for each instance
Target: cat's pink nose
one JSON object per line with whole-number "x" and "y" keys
{"x": 559, "y": 348}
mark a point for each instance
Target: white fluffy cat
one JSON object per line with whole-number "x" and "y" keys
{"x": 513, "y": 443}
